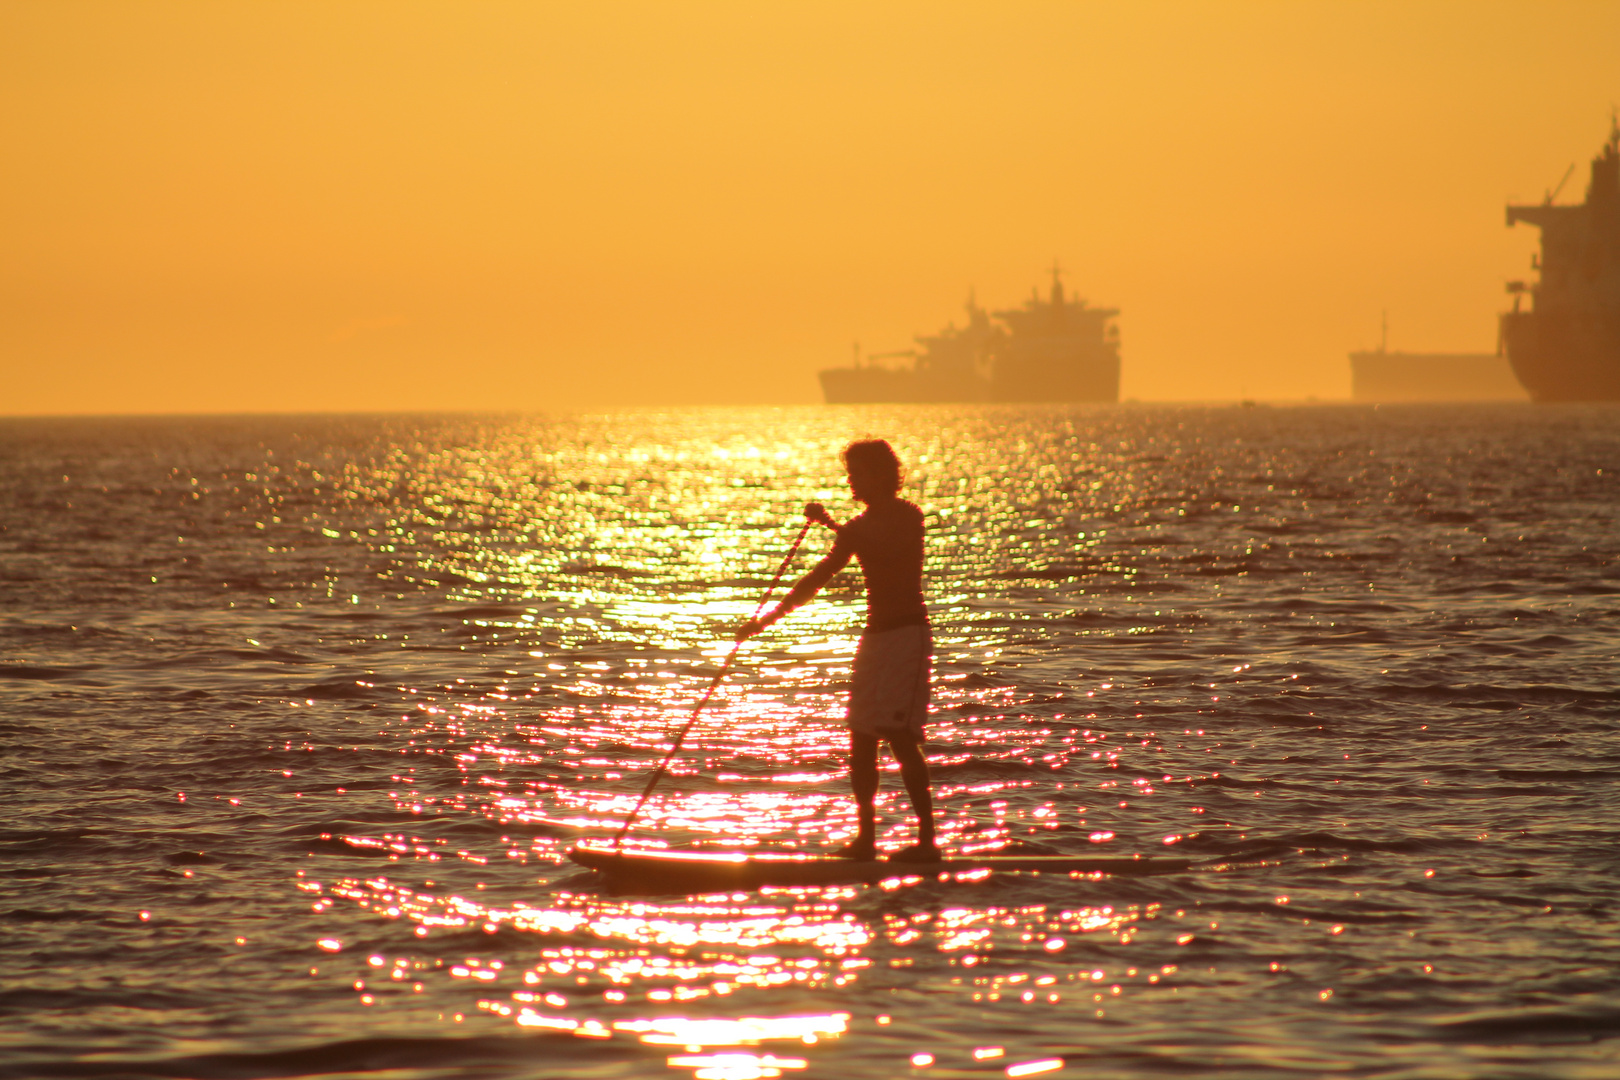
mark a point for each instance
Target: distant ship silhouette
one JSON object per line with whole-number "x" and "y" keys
{"x": 1057, "y": 349}
{"x": 1379, "y": 375}
{"x": 1567, "y": 346}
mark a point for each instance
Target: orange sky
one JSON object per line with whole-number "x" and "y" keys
{"x": 375, "y": 206}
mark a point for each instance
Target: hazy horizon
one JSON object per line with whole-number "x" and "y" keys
{"x": 307, "y": 208}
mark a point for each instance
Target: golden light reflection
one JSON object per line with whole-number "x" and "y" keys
{"x": 694, "y": 1034}
{"x": 619, "y": 562}
{"x": 743, "y": 1031}
{"x": 661, "y": 953}
{"x": 595, "y": 589}
{"x": 766, "y": 815}
{"x": 736, "y": 1066}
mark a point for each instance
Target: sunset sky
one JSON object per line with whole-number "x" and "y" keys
{"x": 223, "y": 207}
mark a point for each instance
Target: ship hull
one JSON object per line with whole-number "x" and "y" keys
{"x": 1092, "y": 383}
{"x": 1391, "y": 377}
{"x": 1041, "y": 379}
{"x": 875, "y": 385}
{"x": 1564, "y": 359}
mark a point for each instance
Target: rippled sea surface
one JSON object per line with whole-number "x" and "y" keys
{"x": 299, "y": 716}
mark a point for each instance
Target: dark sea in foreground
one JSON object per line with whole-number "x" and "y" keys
{"x": 300, "y": 714}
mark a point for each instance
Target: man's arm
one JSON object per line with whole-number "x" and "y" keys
{"x": 807, "y": 586}
{"x": 818, "y": 514}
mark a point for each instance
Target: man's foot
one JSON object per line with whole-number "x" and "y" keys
{"x": 918, "y": 853}
{"x": 859, "y": 850}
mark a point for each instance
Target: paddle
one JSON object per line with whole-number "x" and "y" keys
{"x": 714, "y": 684}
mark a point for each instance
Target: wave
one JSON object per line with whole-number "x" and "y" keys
{"x": 417, "y": 1057}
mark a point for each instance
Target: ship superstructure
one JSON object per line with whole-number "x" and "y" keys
{"x": 1052, "y": 349}
{"x": 1057, "y": 350}
{"x": 1566, "y": 347}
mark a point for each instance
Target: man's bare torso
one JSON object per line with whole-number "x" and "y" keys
{"x": 887, "y": 538}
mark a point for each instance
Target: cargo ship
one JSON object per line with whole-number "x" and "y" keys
{"x": 1566, "y": 345}
{"x": 1379, "y": 375}
{"x": 1389, "y": 377}
{"x": 1056, "y": 348}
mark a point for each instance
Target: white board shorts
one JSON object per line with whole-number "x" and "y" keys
{"x": 888, "y": 693}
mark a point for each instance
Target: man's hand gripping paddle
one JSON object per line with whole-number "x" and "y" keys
{"x": 813, "y": 513}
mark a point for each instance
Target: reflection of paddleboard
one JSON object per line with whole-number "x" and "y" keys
{"x": 703, "y": 871}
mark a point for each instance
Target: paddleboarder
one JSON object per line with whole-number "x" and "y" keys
{"x": 888, "y": 698}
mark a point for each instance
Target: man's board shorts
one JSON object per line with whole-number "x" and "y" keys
{"x": 888, "y": 694}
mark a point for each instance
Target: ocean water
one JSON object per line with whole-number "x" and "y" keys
{"x": 299, "y": 716}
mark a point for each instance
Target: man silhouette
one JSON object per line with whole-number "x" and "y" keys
{"x": 888, "y": 698}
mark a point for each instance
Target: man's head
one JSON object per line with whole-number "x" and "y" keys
{"x": 874, "y": 470}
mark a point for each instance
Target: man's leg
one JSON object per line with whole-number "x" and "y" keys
{"x": 914, "y": 771}
{"x": 863, "y": 778}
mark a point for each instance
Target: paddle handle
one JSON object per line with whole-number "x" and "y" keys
{"x": 714, "y": 684}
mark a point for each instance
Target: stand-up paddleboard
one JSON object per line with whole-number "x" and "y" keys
{"x": 702, "y": 871}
